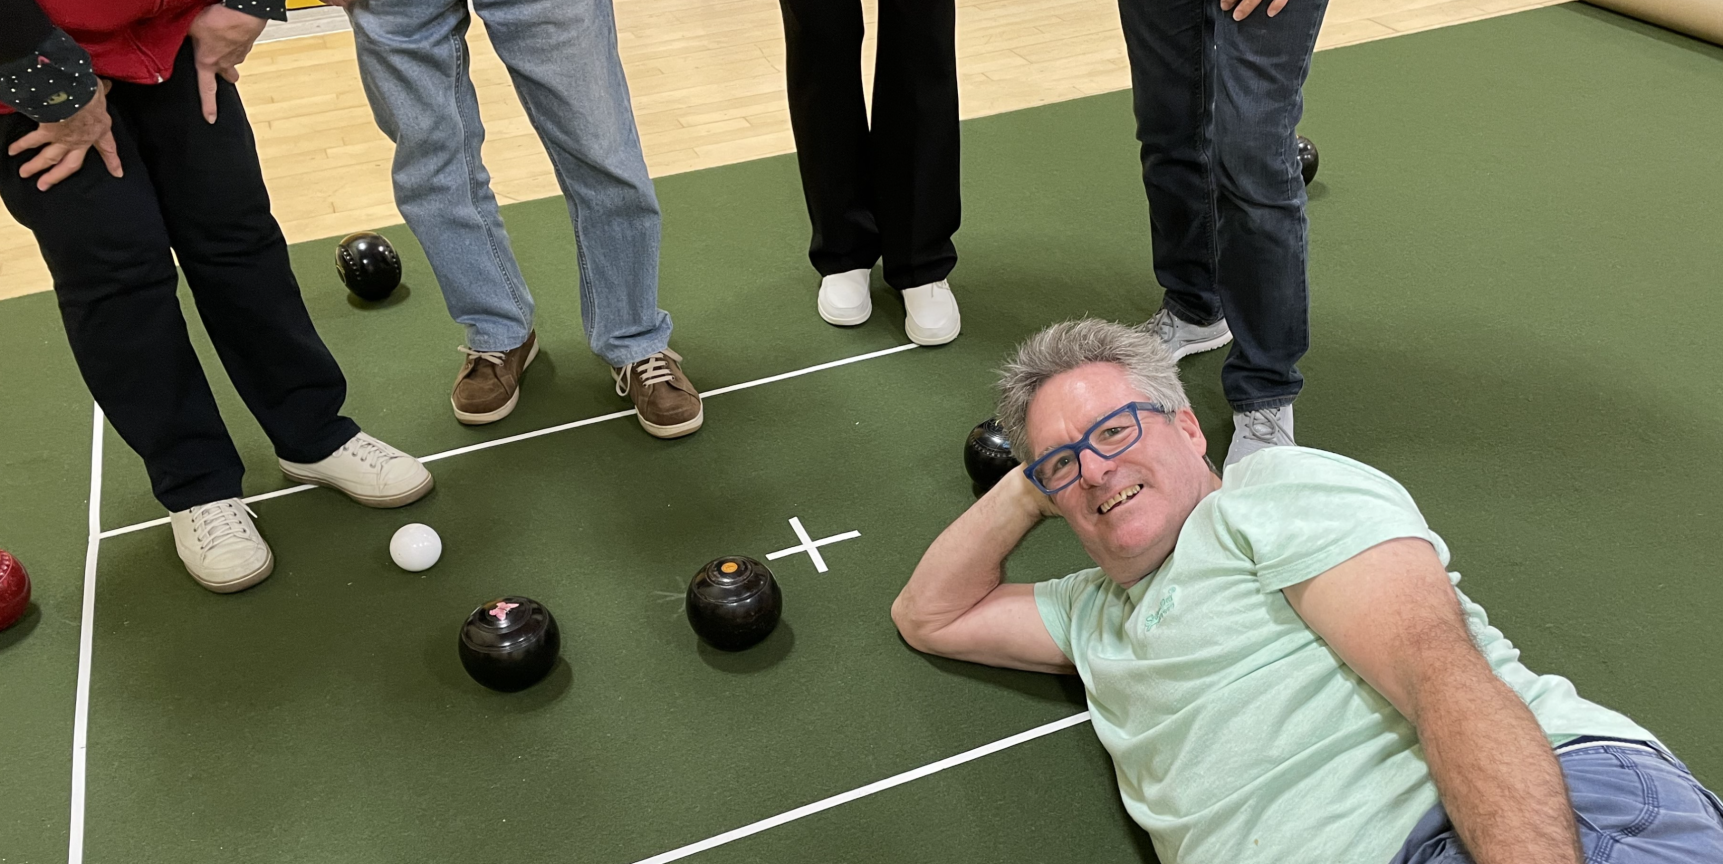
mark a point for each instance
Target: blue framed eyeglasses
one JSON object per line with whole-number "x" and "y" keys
{"x": 1112, "y": 435}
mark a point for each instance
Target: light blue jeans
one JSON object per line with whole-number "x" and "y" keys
{"x": 562, "y": 58}
{"x": 1633, "y": 805}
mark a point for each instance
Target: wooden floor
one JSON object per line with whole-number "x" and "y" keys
{"x": 708, "y": 86}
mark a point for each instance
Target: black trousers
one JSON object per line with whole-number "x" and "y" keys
{"x": 196, "y": 189}
{"x": 890, "y": 191}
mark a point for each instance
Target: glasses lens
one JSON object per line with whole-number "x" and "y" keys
{"x": 1057, "y": 470}
{"x": 1118, "y": 433}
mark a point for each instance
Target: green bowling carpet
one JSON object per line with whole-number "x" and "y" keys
{"x": 1517, "y": 286}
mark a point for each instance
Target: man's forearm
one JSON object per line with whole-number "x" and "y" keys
{"x": 967, "y": 561}
{"x": 1497, "y": 774}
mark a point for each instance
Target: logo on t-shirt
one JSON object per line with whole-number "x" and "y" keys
{"x": 1153, "y": 618}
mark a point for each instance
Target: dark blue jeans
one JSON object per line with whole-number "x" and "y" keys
{"x": 1632, "y": 805}
{"x": 1218, "y": 102}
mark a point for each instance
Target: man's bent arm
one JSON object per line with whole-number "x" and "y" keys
{"x": 1393, "y": 617}
{"x": 956, "y": 604}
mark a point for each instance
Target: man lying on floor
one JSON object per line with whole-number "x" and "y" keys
{"x": 1279, "y": 663}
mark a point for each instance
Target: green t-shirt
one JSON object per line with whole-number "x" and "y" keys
{"x": 1236, "y": 734}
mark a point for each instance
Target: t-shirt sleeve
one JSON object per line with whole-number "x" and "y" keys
{"x": 1056, "y": 599}
{"x": 1297, "y": 513}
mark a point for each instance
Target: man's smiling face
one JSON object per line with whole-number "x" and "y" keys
{"x": 1128, "y": 510}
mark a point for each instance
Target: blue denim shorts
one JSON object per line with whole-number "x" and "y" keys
{"x": 1635, "y": 803}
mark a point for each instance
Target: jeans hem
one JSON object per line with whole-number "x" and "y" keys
{"x": 660, "y": 343}
{"x": 1183, "y": 314}
{"x": 501, "y": 344}
{"x": 1264, "y": 403}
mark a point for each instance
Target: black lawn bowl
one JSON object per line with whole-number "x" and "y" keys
{"x": 1307, "y": 159}
{"x": 368, "y": 266}
{"x": 987, "y": 455}
{"x": 510, "y": 643}
{"x": 734, "y": 603}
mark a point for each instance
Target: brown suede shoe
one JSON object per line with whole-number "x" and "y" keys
{"x": 669, "y": 405}
{"x": 489, "y": 384}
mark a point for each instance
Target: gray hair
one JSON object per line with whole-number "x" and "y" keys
{"x": 1067, "y": 345}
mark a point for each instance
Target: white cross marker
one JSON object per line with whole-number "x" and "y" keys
{"x": 811, "y": 546}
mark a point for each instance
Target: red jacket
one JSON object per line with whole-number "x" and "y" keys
{"x": 128, "y": 40}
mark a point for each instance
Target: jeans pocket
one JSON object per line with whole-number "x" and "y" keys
{"x": 1687, "y": 773}
{"x": 1611, "y": 791}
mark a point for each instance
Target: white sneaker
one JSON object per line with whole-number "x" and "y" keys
{"x": 1258, "y": 430}
{"x": 844, "y": 299}
{"x": 221, "y": 547}
{"x": 931, "y": 316}
{"x": 368, "y": 471}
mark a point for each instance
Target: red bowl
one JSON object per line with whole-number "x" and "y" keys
{"x": 14, "y": 590}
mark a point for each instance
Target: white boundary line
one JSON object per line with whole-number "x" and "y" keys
{"x": 86, "y": 641}
{"x": 869, "y": 789}
{"x": 551, "y": 430}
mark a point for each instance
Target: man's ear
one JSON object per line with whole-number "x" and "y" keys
{"x": 1186, "y": 421}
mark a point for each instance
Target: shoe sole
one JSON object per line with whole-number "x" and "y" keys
{"x": 508, "y": 407}
{"x": 1200, "y": 347}
{"x": 677, "y": 430}
{"x": 926, "y": 341}
{"x": 243, "y": 582}
{"x": 381, "y": 502}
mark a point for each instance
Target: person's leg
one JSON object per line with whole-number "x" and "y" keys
{"x": 1169, "y": 45}
{"x": 1631, "y": 805}
{"x": 1638, "y": 806}
{"x": 828, "y": 117}
{"x": 915, "y": 140}
{"x": 216, "y": 210}
{"x": 413, "y": 65}
{"x": 107, "y": 248}
{"x": 1433, "y": 840}
{"x": 1262, "y": 256}
{"x": 562, "y": 57}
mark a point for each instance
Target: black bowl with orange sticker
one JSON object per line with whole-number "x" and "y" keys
{"x": 734, "y": 603}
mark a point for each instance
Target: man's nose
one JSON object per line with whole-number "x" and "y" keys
{"x": 1096, "y": 469}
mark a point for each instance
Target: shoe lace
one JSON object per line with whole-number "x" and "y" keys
{"x": 653, "y": 370}
{"x": 213, "y": 523}
{"x": 1164, "y": 325}
{"x": 495, "y": 357}
{"x": 1260, "y": 426}
{"x": 368, "y": 452}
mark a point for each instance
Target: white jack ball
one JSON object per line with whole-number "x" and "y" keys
{"x": 415, "y": 547}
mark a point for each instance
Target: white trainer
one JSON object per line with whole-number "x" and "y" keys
{"x": 931, "y": 316}
{"x": 368, "y": 471}
{"x": 221, "y": 547}
{"x": 844, "y": 299}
